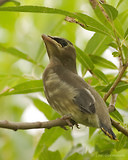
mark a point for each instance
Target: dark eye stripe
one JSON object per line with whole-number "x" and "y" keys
{"x": 61, "y": 41}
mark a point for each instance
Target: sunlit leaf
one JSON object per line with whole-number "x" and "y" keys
{"x": 26, "y": 87}
{"x": 100, "y": 75}
{"x": 97, "y": 44}
{"x": 117, "y": 115}
{"x": 100, "y": 61}
{"x": 111, "y": 11}
{"x": 84, "y": 59}
{"x": 122, "y": 142}
{"x": 47, "y": 155}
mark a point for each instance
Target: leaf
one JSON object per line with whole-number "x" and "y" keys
{"x": 84, "y": 59}
{"x": 75, "y": 156}
{"x": 126, "y": 34}
{"x": 26, "y": 87}
{"x": 100, "y": 61}
{"x": 122, "y": 86}
{"x": 17, "y": 53}
{"x": 115, "y": 54}
{"x": 48, "y": 155}
{"x": 91, "y": 131}
{"x": 93, "y": 25}
{"x": 100, "y": 75}
{"x": 122, "y": 142}
{"x": 90, "y": 23}
{"x": 97, "y": 44}
{"x": 76, "y": 149}
{"x": 111, "y": 11}
{"x": 47, "y": 139}
{"x": 45, "y": 108}
{"x": 115, "y": 114}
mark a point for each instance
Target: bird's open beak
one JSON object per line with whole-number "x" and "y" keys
{"x": 52, "y": 45}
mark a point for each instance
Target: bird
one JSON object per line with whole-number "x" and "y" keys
{"x": 69, "y": 94}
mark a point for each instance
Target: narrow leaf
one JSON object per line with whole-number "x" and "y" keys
{"x": 93, "y": 25}
{"x": 117, "y": 115}
{"x": 122, "y": 142}
{"x": 26, "y": 87}
{"x": 17, "y": 53}
{"x": 90, "y": 23}
{"x": 100, "y": 75}
{"x": 46, "y": 109}
{"x": 100, "y": 61}
{"x": 84, "y": 59}
{"x": 111, "y": 11}
{"x": 97, "y": 44}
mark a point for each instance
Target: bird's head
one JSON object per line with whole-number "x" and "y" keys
{"x": 61, "y": 49}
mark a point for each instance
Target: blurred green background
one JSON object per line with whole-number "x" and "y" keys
{"x": 23, "y": 31}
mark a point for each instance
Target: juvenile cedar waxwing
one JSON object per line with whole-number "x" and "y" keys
{"x": 68, "y": 93}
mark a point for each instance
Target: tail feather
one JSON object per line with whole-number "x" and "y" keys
{"x": 109, "y": 133}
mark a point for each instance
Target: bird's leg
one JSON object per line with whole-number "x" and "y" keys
{"x": 70, "y": 121}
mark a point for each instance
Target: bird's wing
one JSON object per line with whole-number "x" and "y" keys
{"x": 85, "y": 101}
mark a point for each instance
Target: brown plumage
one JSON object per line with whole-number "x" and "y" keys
{"x": 68, "y": 93}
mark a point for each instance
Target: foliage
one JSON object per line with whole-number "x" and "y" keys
{"x": 23, "y": 59}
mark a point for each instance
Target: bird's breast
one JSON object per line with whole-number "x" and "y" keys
{"x": 59, "y": 94}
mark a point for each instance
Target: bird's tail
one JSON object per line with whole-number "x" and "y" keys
{"x": 109, "y": 132}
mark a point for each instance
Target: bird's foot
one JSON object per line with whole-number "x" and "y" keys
{"x": 70, "y": 121}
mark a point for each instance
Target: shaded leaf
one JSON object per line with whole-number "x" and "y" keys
{"x": 26, "y": 87}
{"x": 100, "y": 61}
{"x": 97, "y": 44}
{"x": 75, "y": 156}
{"x": 126, "y": 34}
{"x": 111, "y": 11}
{"x": 91, "y": 131}
{"x": 122, "y": 86}
{"x": 84, "y": 59}
{"x": 115, "y": 114}
{"x": 100, "y": 75}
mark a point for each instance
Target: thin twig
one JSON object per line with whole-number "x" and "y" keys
{"x": 111, "y": 107}
{"x": 121, "y": 72}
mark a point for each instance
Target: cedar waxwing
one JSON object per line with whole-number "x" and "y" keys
{"x": 67, "y": 92}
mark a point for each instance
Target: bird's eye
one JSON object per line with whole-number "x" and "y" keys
{"x": 60, "y": 41}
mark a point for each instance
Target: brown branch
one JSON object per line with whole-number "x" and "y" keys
{"x": 32, "y": 125}
{"x": 121, "y": 72}
{"x": 3, "y": 1}
{"x": 111, "y": 107}
{"x": 119, "y": 127}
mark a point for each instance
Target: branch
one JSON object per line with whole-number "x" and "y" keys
{"x": 3, "y": 1}
{"x": 119, "y": 127}
{"x": 33, "y": 125}
{"x": 121, "y": 72}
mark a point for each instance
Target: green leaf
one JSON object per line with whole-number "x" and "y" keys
{"x": 100, "y": 75}
{"x": 48, "y": 155}
{"x": 90, "y": 23}
{"x": 84, "y": 59}
{"x": 75, "y": 156}
{"x": 122, "y": 86}
{"x": 97, "y": 44}
{"x": 115, "y": 54}
{"x": 122, "y": 142}
{"x": 26, "y": 87}
{"x": 115, "y": 114}
{"x": 47, "y": 139}
{"x": 45, "y": 108}
{"x": 100, "y": 61}
{"x": 76, "y": 149}
{"x": 17, "y": 53}
{"x": 126, "y": 34}
{"x": 91, "y": 131}
{"x": 111, "y": 11}
{"x": 93, "y": 25}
